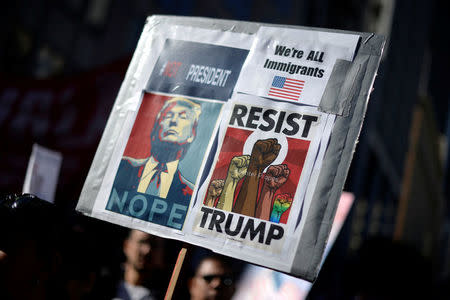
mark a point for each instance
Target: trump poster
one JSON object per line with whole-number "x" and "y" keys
{"x": 158, "y": 169}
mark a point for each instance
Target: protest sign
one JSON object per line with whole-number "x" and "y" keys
{"x": 42, "y": 174}
{"x": 210, "y": 143}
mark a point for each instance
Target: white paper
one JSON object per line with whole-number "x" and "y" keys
{"x": 42, "y": 174}
{"x": 293, "y": 64}
{"x": 238, "y": 137}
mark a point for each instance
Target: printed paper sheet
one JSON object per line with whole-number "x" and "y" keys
{"x": 293, "y": 64}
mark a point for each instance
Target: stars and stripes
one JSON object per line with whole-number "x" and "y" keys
{"x": 286, "y": 88}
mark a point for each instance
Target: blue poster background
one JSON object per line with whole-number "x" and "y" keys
{"x": 190, "y": 165}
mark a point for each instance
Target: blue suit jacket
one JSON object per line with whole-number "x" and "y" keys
{"x": 128, "y": 177}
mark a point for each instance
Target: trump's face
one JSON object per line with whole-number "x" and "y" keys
{"x": 176, "y": 124}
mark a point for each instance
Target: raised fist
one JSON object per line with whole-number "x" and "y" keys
{"x": 280, "y": 205}
{"x": 264, "y": 152}
{"x": 276, "y": 176}
{"x": 214, "y": 191}
{"x": 238, "y": 167}
{"x": 215, "y": 188}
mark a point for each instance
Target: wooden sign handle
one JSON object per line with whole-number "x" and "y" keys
{"x": 175, "y": 273}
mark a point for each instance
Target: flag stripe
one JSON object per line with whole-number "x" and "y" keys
{"x": 286, "y": 88}
{"x": 289, "y": 90}
{"x": 290, "y": 79}
{"x": 284, "y": 97}
{"x": 285, "y": 92}
{"x": 293, "y": 89}
{"x": 294, "y": 85}
{"x": 296, "y": 94}
{"x": 287, "y": 95}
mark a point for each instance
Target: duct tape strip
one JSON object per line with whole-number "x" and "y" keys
{"x": 331, "y": 179}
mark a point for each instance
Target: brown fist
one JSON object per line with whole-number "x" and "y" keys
{"x": 214, "y": 190}
{"x": 264, "y": 152}
{"x": 276, "y": 176}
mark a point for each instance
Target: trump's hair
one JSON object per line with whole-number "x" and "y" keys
{"x": 194, "y": 107}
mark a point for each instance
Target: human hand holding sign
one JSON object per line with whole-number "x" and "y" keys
{"x": 274, "y": 178}
{"x": 214, "y": 191}
{"x": 264, "y": 152}
{"x": 236, "y": 171}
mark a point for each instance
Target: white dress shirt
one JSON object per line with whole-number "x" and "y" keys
{"x": 166, "y": 177}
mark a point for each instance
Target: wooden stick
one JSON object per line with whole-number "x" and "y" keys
{"x": 175, "y": 273}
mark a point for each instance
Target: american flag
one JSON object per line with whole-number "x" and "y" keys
{"x": 286, "y": 88}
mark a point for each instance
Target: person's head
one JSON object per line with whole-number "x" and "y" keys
{"x": 213, "y": 279}
{"x": 143, "y": 251}
{"x": 174, "y": 129}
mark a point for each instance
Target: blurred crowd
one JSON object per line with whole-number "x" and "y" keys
{"x": 43, "y": 256}
{"x": 46, "y": 256}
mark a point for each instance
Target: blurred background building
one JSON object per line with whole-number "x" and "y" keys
{"x": 62, "y": 63}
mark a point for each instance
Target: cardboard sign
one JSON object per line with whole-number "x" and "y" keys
{"x": 211, "y": 143}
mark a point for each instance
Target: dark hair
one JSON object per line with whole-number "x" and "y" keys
{"x": 203, "y": 255}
